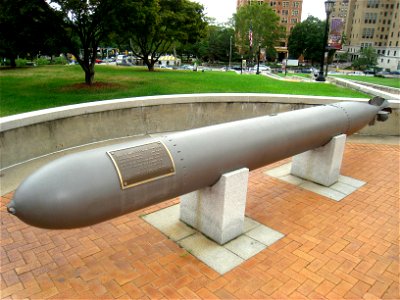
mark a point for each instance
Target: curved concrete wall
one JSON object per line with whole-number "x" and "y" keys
{"x": 27, "y": 136}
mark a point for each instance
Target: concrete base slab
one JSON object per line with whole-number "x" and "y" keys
{"x": 167, "y": 221}
{"x": 221, "y": 258}
{"x": 339, "y": 190}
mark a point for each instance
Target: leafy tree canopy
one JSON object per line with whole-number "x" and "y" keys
{"x": 264, "y": 23}
{"x": 367, "y": 59}
{"x": 82, "y": 25}
{"x": 155, "y": 27}
{"x": 25, "y": 29}
{"x": 215, "y": 46}
{"x": 307, "y": 39}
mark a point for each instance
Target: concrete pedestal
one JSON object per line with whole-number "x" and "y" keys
{"x": 321, "y": 165}
{"x": 218, "y": 211}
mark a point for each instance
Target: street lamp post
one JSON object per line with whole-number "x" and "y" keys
{"x": 258, "y": 58}
{"x": 230, "y": 52}
{"x": 328, "y": 9}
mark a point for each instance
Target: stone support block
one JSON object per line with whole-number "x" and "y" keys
{"x": 321, "y": 165}
{"x": 218, "y": 211}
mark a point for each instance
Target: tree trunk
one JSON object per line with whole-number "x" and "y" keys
{"x": 12, "y": 61}
{"x": 149, "y": 64}
{"x": 89, "y": 75}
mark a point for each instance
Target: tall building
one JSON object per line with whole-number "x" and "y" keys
{"x": 289, "y": 12}
{"x": 374, "y": 23}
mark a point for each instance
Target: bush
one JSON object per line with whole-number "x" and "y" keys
{"x": 42, "y": 61}
{"x": 60, "y": 60}
{"x": 20, "y": 62}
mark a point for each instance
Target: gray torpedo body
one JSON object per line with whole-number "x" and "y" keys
{"x": 93, "y": 186}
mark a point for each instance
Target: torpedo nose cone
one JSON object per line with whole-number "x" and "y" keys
{"x": 11, "y": 208}
{"x": 74, "y": 191}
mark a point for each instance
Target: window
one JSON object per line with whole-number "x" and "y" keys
{"x": 284, "y": 20}
{"x": 295, "y": 12}
{"x": 293, "y": 21}
{"x": 296, "y": 4}
{"x": 373, "y": 4}
{"x": 368, "y": 33}
{"x": 285, "y": 12}
{"x": 285, "y": 3}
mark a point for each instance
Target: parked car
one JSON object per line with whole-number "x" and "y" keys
{"x": 262, "y": 69}
{"x": 187, "y": 67}
{"x": 123, "y": 60}
{"x": 369, "y": 72}
{"x": 356, "y": 73}
{"x": 382, "y": 74}
{"x": 109, "y": 60}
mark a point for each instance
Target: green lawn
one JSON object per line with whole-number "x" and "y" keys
{"x": 29, "y": 89}
{"x": 392, "y": 82}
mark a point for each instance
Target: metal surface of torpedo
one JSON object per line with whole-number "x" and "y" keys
{"x": 97, "y": 185}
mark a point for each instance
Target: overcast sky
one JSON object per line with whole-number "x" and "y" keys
{"x": 222, "y": 10}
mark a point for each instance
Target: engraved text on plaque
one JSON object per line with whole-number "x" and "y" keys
{"x": 143, "y": 163}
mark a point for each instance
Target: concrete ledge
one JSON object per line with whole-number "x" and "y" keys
{"x": 51, "y": 114}
{"x": 365, "y": 88}
{"x": 28, "y": 136}
{"x": 391, "y": 90}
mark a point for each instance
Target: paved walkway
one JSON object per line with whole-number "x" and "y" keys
{"x": 335, "y": 250}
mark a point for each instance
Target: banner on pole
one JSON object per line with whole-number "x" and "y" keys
{"x": 335, "y": 34}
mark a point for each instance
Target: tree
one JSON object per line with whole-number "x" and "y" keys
{"x": 82, "y": 24}
{"x": 264, "y": 23}
{"x": 306, "y": 39}
{"x": 215, "y": 46}
{"x": 367, "y": 59}
{"x": 155, "y": 27}
{"x": 24, "y": 28}
{"x": 343, "y": 57}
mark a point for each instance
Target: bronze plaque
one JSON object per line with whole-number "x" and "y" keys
{"x": 143, "y": 163}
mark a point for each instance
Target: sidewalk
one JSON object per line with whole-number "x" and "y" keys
{"x": 335, "y": 250}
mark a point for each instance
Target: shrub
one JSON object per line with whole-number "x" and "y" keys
{"x": 60, "y": 60}
{"x": 20, "y": 62}
{"x": 42, "y": 61}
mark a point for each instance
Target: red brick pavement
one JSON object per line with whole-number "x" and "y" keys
{"x": 333, "y": 250}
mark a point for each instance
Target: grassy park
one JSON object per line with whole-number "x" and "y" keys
{"x": 29, "y": 89}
